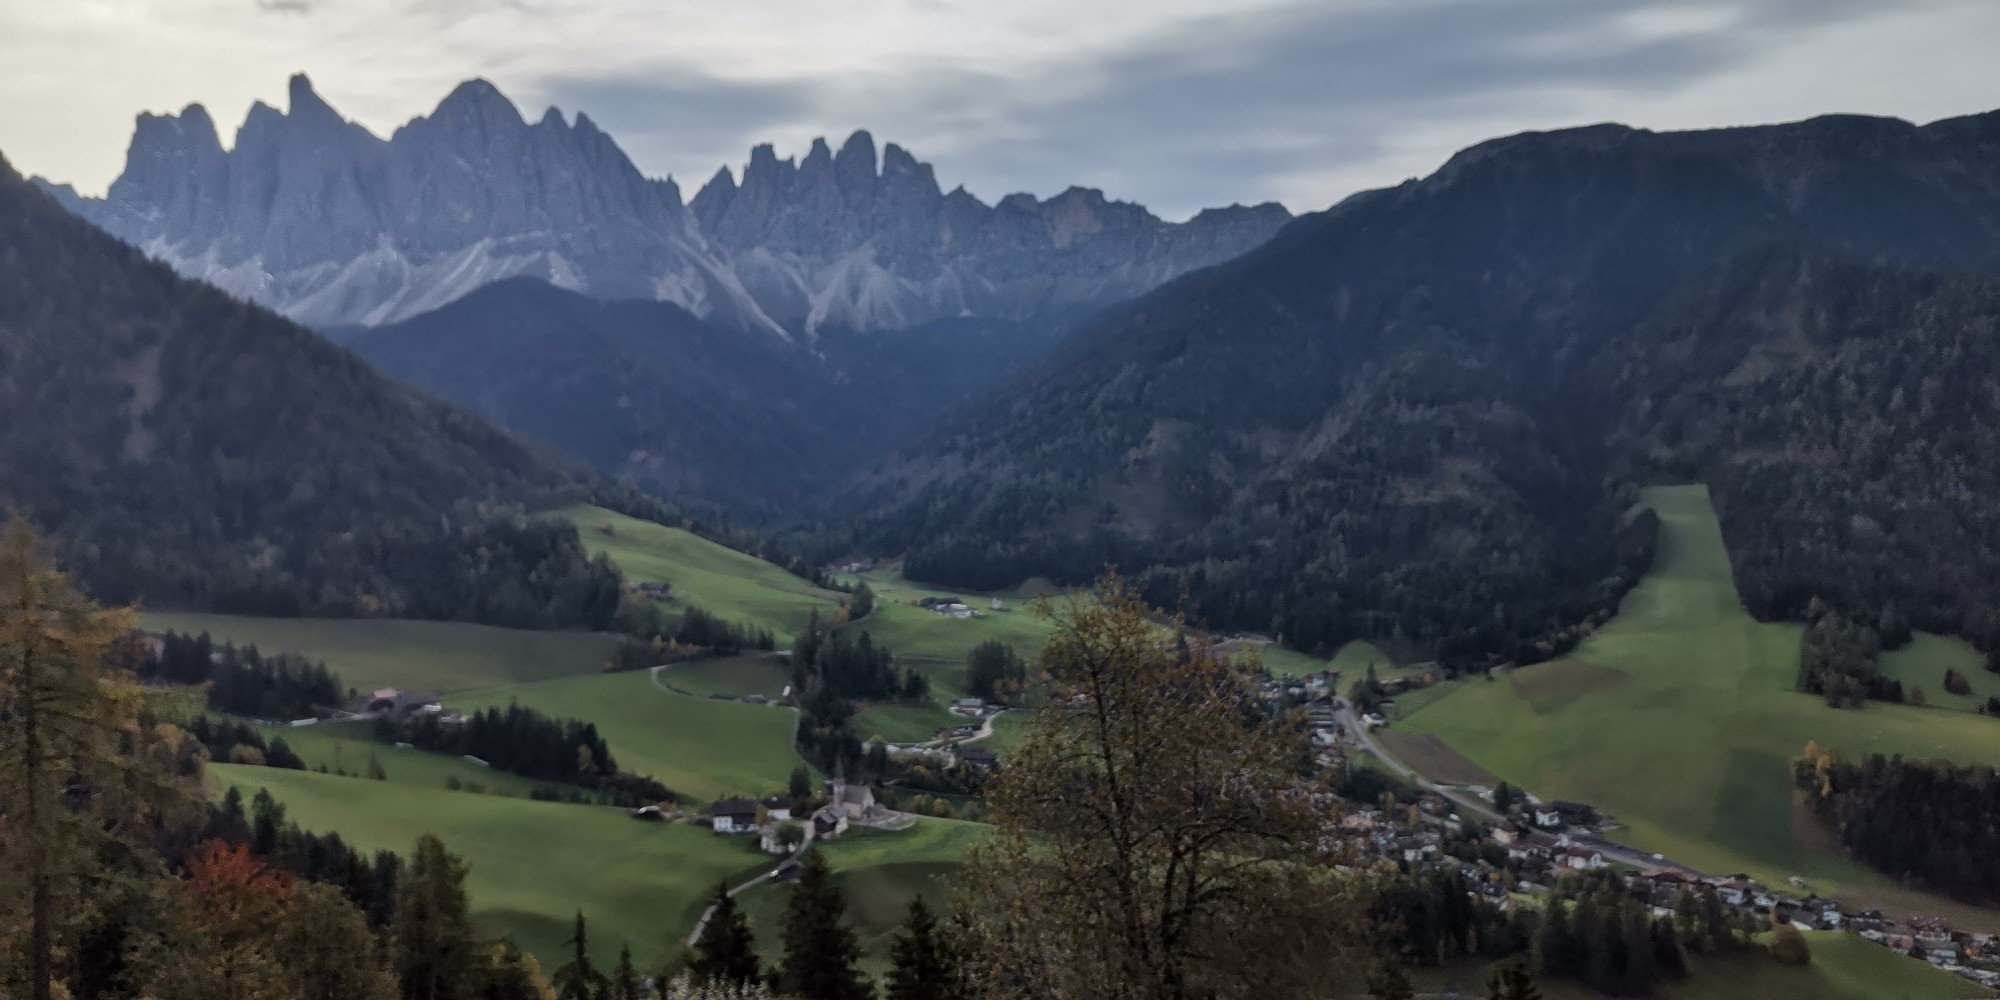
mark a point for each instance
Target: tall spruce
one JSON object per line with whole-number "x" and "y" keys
{"x": 924, "y": 966}
{"x": 820, "y": 949}
{"x": 578, "y": 978}
{"x": 625, "y": 978}
{"x": 726, "y": 951}
{"x": 431, "y": 934}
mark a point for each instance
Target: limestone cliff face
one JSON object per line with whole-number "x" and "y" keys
{"x": 312, "y": 215}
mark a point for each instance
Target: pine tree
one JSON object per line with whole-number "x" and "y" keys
{"x": 431, "y": 935}
{"x": 625, "y": 979}
{"x": 578, "y": 979}
{"x": 726, "y": 951}
{"x": 1513, "y": 982}
{"x": 820, "y": 949}
{"x": 924, "y": 969}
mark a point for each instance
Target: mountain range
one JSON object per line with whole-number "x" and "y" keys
{"x": 1422, "y": 415}
{"x": 312, "y": 215}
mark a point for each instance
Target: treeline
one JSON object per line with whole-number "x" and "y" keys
{"x": 523, "y": 741}
{"x": 830, "y": 672}
{"x": 1932, "y": 824}
{"x": 234, "y": 742}
{"x": 1841, "y": 659}
{"x": 1433, "y": 919}
{"x": 697, "y": 635}
{"x": 242, "y": 681}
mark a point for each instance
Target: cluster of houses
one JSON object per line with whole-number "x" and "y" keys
{"x": 767, "y": 819}
{"x": 656, "y": 590}
{"x": 951, "y": 607}
{"x": 389, "y": 701}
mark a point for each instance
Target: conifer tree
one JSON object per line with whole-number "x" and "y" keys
{"x": 578, "y": 979}
{"x": 65, "y": 711}
{"x": 820, "y": 949}
{"x": 431, "y": 934}
{"x": 726, "y": 951}
{"x": 924, "y": 967}
{"x": 625, "y": 978}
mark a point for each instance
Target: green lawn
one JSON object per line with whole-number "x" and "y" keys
{"x": 738, "y": 587}
{"x": 1843, "y": 967}
{"x": 702, "y": 748}
{"x": 348, "y": 746}
{"x": 1924, "y": 661}
{"x": 1008, "y": 729}
{"x": 904, "y": 723}
{"x": 1679, "y": 719}
{"x": 733, "y": 677}
{"x": 914, "y": 632}
{"x": 370, "y": 653}
{"x": 533, "y": 864}
{"x": 879, "y": 872}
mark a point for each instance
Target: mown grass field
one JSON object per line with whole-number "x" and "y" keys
{"x": 1924, "y": 661}
{"x": 702, "y": 748}
{"x": 728, "y": 583}
{"x": 879, "y": 872}
{"x": 1843, "y": 967}
{"x": 733, "y": 676}
{"x": 533, "y": 864}
{"x": 914, "y": 632}
{"x": 370, "y": 653}
{"x": 1679, "y": 719}
{"x": 348, "y": 746}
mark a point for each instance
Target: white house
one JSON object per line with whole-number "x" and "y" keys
{"x": 734, "y": 816}
{"x": 1547, "y": 817}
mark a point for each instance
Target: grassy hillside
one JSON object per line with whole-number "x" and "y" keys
{"x": 371, "y": 653}
{"x": 701, "y": 747}
{"x": 732, "y": 676}
{"x": 1924, "y": 661}
{"x": 739, "y": 587}
{"x": 533, "y": 864}
{"x": 879, "y": 872}
{"x": 349, "y": 746}
{"x": 1679, "y": 719}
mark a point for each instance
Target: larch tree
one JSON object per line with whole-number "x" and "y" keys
{"x": 66, "y": 713}
{"x": 1157, "y": 840}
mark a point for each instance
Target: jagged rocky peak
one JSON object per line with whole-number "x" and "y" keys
{"x": 312, "y": 214}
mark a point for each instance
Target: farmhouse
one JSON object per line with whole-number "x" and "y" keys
{"x": 734, "y": 816}
{"x": 978, "y": 758}
{"x": 777, "y": 808}
{"x": 392, "y": 700}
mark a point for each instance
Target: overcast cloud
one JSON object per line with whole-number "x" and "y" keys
{"x": 1178, "y": 104}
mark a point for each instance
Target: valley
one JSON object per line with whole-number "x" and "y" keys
{"x": 1678, "y": 717}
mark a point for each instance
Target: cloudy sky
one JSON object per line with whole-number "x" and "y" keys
{"x": 1175, "y": 103}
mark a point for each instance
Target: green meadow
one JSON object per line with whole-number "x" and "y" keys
{"x": 916, "y": 633}
{"x": 1679, "y": 719}
{"x": 739, "y": 587}
{"x": 879, "y": 872}
{"x": 348, "y": 746}
{"x": 533, "y": 864}
{"x": 732, "y": 676}
{"x": 1923, "y": 662}
{"x": 703, "y": 748}
{"x": 371, "y": 653}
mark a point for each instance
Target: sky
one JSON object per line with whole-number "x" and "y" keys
{"x": 1176, "y": 104}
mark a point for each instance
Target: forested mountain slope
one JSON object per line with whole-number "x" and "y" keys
{"x": 742, "y": 425}
{"x": 1421, "y": 414}
{"x": 192, "y": 450}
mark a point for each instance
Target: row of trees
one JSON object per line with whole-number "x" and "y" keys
{"x": 696, "y": 635}
{"x": 522, "y": 741}
{"x": 821, "y": 952}
{"x": 1841, "y": 659}
{"x": 242, "y": 681}
{"x": 1931, "y": 824}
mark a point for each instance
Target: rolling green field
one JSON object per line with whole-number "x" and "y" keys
{"x": 348, "y": 746}
{"x": 1679, "y": 719}
{"x": 1924, "y": 661}
{"x": 738, "y": 587}
{"x": 914, "y": 632}
{"x": 904, "y": 723}
{"x": 533, "y": 864}
{"x": 700, "y": 747}
{"x": 1843, "y": 967}
{"x": 733, "y": 676}
{"x": 879, "y": 872}
{"x": 371, "y": 653}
